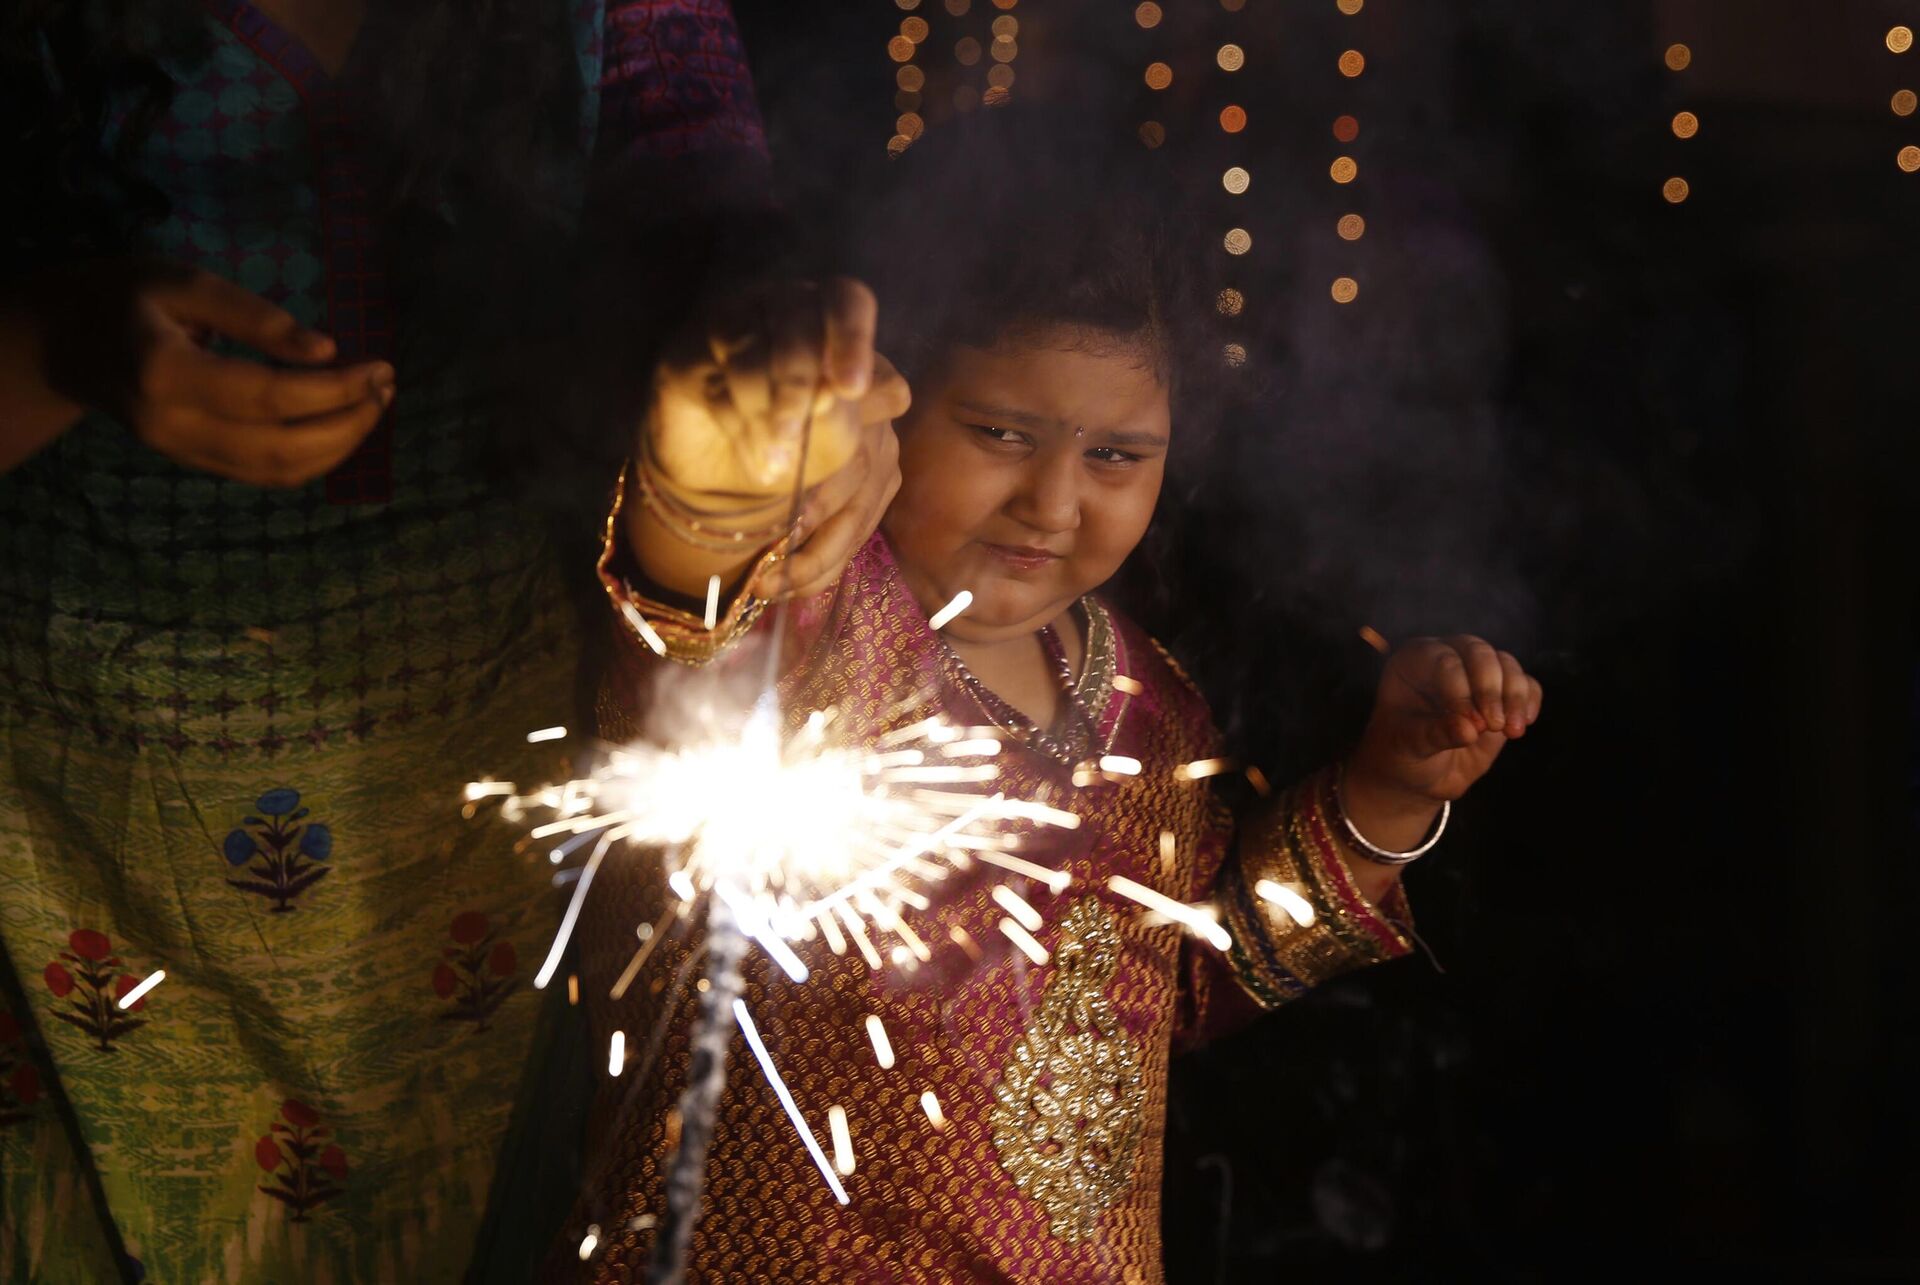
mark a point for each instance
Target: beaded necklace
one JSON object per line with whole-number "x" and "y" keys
{"x": 1074, "y": 744}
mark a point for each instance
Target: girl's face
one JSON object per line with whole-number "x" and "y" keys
{"x": 1028, "y": 473}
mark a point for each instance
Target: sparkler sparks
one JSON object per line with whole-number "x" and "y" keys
{"x": 842, "y": 1139}
{"x": 1196, "y": 918}
{"x": 752, "y": 1033}
{"x": 945, "y": 616}
{"x": 782, "y": 838}
{"x": 139, "y": 992}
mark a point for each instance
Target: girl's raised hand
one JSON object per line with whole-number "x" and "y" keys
{"x": 128, "y": 340}
{"x": 757, "y": 372}
{"x": 1444, "y": 710}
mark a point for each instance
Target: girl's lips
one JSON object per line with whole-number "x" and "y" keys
{"x": 1022, "y": 557}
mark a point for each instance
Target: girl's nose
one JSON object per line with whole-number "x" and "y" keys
{"x": 1049, "y": 496}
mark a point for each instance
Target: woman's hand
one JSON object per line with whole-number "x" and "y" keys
{"x": 128, "y": 339}
{"x": 1444, "y": 710}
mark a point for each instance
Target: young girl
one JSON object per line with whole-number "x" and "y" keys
{"x": 1010, "y": 1127}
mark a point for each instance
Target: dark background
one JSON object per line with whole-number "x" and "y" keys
{"x": 1663, "y": 452}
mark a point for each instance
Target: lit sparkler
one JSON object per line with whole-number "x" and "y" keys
{"x": 785, "y": 840}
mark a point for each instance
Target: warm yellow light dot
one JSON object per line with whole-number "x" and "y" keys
{"x": 1351, "y": 227}
{"x": 1152, "y": 133}
{"x": 1237, "y": 241}
{"x": 1229, "y": 302}
{"x": 908, "y": 4}
{"x": 1345, "y": 290}
{"x": 1236, "y": 180}
{"x": 1678, "y": 57}
{"x": 1685, "y": 125}
{"x": 898, "y": 144}
{"x": 1004, "y": 49}
{"x": 911, "y": 79}
{"x": 966, "y": 51}
{"x": 1147, "y": 15}
{"x": 1904, "y": 102}
{"x": 1352, "y": 63}
{"x": 910, "y": 124}
{"x": 900, "y": 49}
{"x": 1900, "y": 39}
{"x": 1005, "y": 4}
{"x": 1233, "y": 6}
{"x": 1909, "y": 158}
{"x": 1233, "y": 119}
{"x": 1006, "y": 25}
{"x": 1159, "y": 75}
{"x": 1343, "y": 169}
{"x": 1231, "y": 57}
{"x": 1346, "y": 128}
{"x": 1000, "y": 76}
{"x": 1349, "y": 7}
{"x": 996, "y": 96}
{"x": 1235, "y": 354}
{"x": 958, "y": 7}
{"x": 915, "y": 29}
{"x": 1675, "y": 190}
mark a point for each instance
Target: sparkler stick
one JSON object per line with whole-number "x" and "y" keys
{"x": 713, "y": 1024}
{"x": 706, "y": 1077}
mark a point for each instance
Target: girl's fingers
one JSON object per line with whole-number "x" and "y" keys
{"x": 1484, "y": 672}
{"x": 1516, "y": 694}
{"x": 793, "y": 367}
{"x": 851, "y": 314}
{"x": 203, "y": 299}
{"x": 1450, "y": 684}
{"x": 1536, "y": 698}
{"x": 236, "y": 389}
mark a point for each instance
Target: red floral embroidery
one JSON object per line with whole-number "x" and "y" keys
{"x": 306, "y": 1170}
{"x": 476, "y": 973}
{"x": 88, "y": 976}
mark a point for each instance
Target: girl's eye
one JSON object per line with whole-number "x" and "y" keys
{"x": 1003, "y": 436}
{"x": 1112, "y": 455}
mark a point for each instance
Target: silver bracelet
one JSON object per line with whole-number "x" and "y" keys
{"x": 1381, "y": 856}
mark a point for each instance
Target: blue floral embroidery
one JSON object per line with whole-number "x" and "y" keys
{"x": 281, "y": 851}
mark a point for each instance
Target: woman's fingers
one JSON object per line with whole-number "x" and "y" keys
{"x": 203, "y": 299}
{"x": 236, "y": 389}
{"x": 269, "y": 454}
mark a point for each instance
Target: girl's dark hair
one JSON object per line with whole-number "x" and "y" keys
{"x": 1017, "y": 219}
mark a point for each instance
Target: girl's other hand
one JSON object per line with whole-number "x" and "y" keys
{"x": 733, "y": 396}
{"x": 1444, "y": 710}
{"x": 129, "y": 340}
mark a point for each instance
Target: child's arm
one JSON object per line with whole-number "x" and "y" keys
{"x": 1444, "y": 710}
{"x": 1299, "y": 894}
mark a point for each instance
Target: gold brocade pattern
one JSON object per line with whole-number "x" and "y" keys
{"x": 1067, "y": 1112}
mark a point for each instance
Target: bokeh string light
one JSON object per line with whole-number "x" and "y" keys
{"x": 1235, "y": 180}
{"x": 1899, "y": 41}
{"x": 1684, "y": 124}
{"x": 1344, "y": 169}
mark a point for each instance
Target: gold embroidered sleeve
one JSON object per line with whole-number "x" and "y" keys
{"x": 662, "y": 628}
{"x": 1284, "y": 944}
